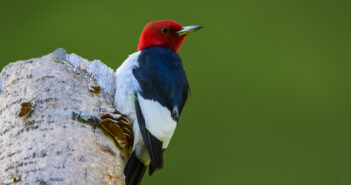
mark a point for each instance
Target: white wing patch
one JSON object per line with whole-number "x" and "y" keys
{"x": 158, "y": 120}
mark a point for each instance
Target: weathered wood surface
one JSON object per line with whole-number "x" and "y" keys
{"x": 59, "y": 142}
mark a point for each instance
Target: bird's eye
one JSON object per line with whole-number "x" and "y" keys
{"x": 164, "y": 30}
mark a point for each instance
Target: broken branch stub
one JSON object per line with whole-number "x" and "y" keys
{"x": 50, "y": 129}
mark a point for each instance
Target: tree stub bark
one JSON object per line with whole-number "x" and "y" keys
{"x": 58, "y": 140}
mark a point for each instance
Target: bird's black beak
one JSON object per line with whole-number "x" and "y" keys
{"x": 187, "y": 29}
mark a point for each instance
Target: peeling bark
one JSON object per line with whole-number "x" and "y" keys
{"x": 59, "y": 140}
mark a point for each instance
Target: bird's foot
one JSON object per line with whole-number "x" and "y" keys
{"x": 117, "y": 124}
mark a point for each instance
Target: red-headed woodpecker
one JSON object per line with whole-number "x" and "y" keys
{"x": 151, "y": 88}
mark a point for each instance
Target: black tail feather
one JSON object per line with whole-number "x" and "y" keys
{"x": 134, "y": 171}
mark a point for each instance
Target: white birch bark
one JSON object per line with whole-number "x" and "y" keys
{"x": 60, "y": 141}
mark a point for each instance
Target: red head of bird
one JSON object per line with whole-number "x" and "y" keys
{"x": 164, "y": 33}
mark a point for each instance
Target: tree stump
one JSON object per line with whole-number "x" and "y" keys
{"x": 49, "y": 122}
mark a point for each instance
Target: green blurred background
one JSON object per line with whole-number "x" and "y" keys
{"x": 270, "y": 80}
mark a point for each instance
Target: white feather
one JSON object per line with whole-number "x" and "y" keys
{"x": 158, "y": 120}
{"x": 127, "y": 86}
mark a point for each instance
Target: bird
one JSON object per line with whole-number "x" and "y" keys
{"x": 151, "y": 89}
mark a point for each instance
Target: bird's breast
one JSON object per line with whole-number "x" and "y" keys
{"x": 127, "y": 86}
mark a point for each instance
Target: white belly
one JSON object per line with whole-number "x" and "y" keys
{"x": 127, "y": 86}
